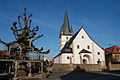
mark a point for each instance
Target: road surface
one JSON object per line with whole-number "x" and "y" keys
{"x": 81, "y": 75}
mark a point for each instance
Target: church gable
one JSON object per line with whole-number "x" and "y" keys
{"x": 82, "y": 41}
{"x": 82, "y": 35}
{"x": 82, "y": 38}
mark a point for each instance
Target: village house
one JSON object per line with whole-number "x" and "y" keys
{"x": 112, "y": 55}
{"x": 3, "y": 53}
{"x": 78, "y": 48}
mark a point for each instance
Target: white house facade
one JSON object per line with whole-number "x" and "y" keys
{"x": 78, "y": 48}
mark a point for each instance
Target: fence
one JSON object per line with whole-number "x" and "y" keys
{"x": 114, "y": 67}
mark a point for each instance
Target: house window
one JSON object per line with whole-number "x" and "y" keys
{"x": 78, "y": 47}
{"x": 118, "y": 56}
{"x": 83, "y": 37}
{"x": 98, "y": 53}
{"x": 117, "y": 49}
{"x": 88, "y": 47}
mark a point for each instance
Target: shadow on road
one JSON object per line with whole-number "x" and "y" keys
{"x": 79, "y": 74}
{"x": 114, "y": 71}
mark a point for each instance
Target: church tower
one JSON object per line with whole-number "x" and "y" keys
{"x": 66, "y": 31}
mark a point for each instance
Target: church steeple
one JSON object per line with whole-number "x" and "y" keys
{"x": 72, "y": 30}
{"x": 66, "y": 29}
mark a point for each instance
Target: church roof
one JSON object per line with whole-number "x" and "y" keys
{"x": 73, "y": 37}
{"x": 66, "y": 29}
{"x": 84, "y": 51}
{"x": 66, "y": 50}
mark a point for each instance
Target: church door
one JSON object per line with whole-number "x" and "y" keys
{"x": 84, "y": 61}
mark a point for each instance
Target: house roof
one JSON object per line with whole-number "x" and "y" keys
{"x": 84, "y": 51}
{"x": 65, "y": 49}
{"x": 112, "y": 50}
{"x": 3, "y": 52}
{"x": 61, "y": 53}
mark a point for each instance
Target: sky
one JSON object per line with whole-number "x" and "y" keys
{"x": 100, "y": 18}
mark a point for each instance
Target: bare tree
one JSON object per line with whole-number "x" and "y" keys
{"x": 24, "y": 34}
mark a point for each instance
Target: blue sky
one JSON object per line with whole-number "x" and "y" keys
{"x": 100, "y": 18}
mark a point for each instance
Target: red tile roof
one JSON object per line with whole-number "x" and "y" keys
{"x": 112, "y": 50}
{"x": 4, "y": 52}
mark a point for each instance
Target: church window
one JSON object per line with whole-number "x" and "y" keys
{"x": 66, "y": 37}
{"x": 68, "y": 57}
{"x": 83, "y": 37}
{"x": 88, "y": 47}
{"x": 78, "y": 47}
{"x": 98, "y": 53}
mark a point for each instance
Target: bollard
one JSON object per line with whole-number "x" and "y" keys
{"x": 16, "y": 66}
{"x": 30, "y": 69}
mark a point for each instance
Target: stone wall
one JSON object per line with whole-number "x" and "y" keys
{"x": 89, "y": 67}
{"x": 114, "y": 67}
{"x": 72, "y": 67}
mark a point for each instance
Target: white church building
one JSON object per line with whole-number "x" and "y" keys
{"x": 78, "y": 48}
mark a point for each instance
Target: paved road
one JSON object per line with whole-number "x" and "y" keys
{"x": 80, "y": 75}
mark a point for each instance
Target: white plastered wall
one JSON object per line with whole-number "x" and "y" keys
{"x": 83, "y": 43}
{"x": 57, "y": 59}
{"x": 63, "y": 40}
{"x": 64, "y": 59}
{"x": 101, "y": 56}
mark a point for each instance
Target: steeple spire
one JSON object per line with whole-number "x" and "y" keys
{"x": 72, "y": 30}
{"x": 66, "y": 29}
